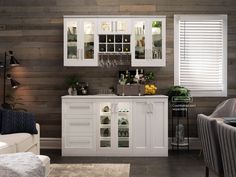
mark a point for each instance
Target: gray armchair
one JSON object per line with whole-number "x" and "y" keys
{"x": 225, "y": 109}
{"x": 207, "y": 130}
{"x": 227, "y": 139}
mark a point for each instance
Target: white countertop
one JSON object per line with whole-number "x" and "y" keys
{"x": 104, "y": 96}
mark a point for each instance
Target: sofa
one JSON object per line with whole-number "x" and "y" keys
{"x": 24, "y": 142}
{"x": 20, "y": 142}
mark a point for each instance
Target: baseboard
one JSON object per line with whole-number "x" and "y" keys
{"x": 55, "y": 143}
{"x": 50, "y": 143}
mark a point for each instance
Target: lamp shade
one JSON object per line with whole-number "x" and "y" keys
{"x": 13, "y": 60}
{"x": 14, "y": 83}
{"x": 1, "y": 65}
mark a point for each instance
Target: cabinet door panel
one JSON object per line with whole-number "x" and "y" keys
{"x": 78, "y": 108}
{"x": 79, "y": 142}
{"x": 141, "y": 133}
{"x": 74, "y": 126}
{"x": 159, "y": 126}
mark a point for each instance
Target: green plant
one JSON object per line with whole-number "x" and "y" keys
{"x": 14, "y": 102}
{"x": 156, "y": 24}
{"x": 149, "y": 77}
{"x": 179, "y": 93}
{"x": 72, "y": 81}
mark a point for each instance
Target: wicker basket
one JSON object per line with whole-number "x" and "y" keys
{"x": 130, "y": 90}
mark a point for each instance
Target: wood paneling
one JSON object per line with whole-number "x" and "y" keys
{"x": 34, "y": 31}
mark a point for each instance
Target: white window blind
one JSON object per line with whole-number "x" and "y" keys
{"x": 201, "y": 54}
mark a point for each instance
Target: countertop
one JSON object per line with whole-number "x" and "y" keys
{"x": 104, "y": 96}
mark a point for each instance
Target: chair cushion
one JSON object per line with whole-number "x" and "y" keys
{"x": 17, "y": 122}
{"x": 17, "y": 142}
{"x": 46, "y": 163}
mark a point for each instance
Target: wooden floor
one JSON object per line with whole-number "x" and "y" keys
{"x": 178, "y": 164}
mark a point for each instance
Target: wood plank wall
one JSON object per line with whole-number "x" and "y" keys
{"x": 33, "y": 29}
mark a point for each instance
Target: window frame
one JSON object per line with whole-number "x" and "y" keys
{"x": 198, "y": 93}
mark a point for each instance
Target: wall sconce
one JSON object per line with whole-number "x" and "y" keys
{"x": 12, "y": 62}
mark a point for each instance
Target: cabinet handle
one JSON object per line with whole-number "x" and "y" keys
{"x": 112, "y": 23}
{"x": 79, "y": 124}
{"x": 78, "y": 53}
{"x": 115, "y": 108}
{"x": 82, "y": 54}
{"x": 151, "y": 107}
{"x": 150, "y": 53}
{"x": 147, "y": 107}
{"x": 116, "y": 26}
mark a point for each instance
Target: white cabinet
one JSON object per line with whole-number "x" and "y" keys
{"x": 142, "y": 37}
{"x": 114, "y": 26}
{"x": 150, "y": 129}
{"x": 78, "y": 127}
{"x": 80, "y": 38}
{"x": 149, "y": 42}
{"x": 114, "y": 126}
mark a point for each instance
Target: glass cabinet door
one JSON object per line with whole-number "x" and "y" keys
{"x": 156, "y": 33}
{"x": 105, "y": 128}
{"x": 89, "y": 39}
{"x": 71, "y": 39}
{"x": 123, "y": 124}
{"x": 149, "y": 42}
{"x": 140, "y": 39}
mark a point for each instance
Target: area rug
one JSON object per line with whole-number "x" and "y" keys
{"x": 89, "y": 170}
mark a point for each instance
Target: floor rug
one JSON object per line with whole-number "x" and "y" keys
{"x": 89, "y": 170}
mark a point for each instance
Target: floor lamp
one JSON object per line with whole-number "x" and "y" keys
{"x": 5, "y": 65}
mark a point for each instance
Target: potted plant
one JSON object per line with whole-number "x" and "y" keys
{"x": 150, "y": 85}
{"x": 72, "y": 82}
{"x": 179, "y": 94}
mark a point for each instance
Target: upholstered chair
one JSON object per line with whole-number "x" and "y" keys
{"x": 207, "y": 130}
{"x": 227, "y": 139}
{"x": 225, "y": 109}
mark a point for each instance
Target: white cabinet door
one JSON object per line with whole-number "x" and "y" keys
{"x": 149, "y": 43}
{"x": 150, "y": 126}
{"x": 80, "y": 39}
{"x": 72, "y": 53}
{"x": 141, "y": 127}
{"x": 159, "y": 127}
{"x": 114, "y": 26}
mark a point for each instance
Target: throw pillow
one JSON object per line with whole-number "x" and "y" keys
{"x": 18, "y": 122}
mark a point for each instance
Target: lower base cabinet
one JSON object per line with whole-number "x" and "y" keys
{"x": 114, "y": 126}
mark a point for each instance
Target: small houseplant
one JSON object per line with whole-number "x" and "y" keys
{"x": 72, "y": 82}
{"x": 179, "y": 94}
{"x": 150, "y": 86}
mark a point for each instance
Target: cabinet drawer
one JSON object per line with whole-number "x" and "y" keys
{"x": 79, "y": 142}
{"x": 78, "y": 108}
{"x": 79, "y": 126}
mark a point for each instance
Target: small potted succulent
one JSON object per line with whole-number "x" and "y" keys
{"x": 72, "y": 82}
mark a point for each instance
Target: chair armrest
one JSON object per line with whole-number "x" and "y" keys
{"x": 38, "y": 137}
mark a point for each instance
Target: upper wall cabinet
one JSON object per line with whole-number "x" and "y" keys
{"x": 80, "y": 38}
{"x": 148, "y": 42}
{"x": 146, "y": 34}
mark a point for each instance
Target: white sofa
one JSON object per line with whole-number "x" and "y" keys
{"x": 20, "y": 142}
{"x": 24, "y": 142}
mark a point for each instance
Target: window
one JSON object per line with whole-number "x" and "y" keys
{"x": 200, "y": 54}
